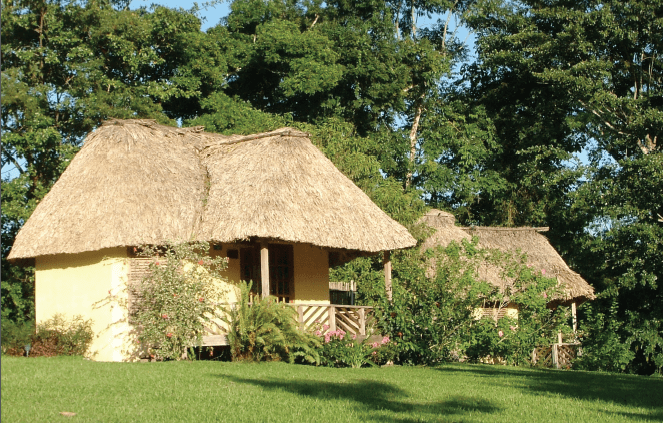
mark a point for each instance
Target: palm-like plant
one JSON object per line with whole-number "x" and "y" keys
{"x": 266, "y": 330}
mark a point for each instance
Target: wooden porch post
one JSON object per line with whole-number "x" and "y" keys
{"x": 362, "y": 321}
{"x": 555, "y": 356}
{"x": 332, "y": 318}
{"x": 387, "y": 274}
{"x": 264, "y": 268}
{"x": 574, "y": 316}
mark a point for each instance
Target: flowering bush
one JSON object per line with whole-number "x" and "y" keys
{"x": 431, "y": 314}
{"x": 342, "y": 350}
{"x": 383, "y": 352}
{"x": 513, "y": 340}
{"x": 177, "y": 299}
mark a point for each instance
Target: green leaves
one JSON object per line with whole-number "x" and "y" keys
{"x": 262, "y": 329}
{"x": 558, "y": 77}
{"x": 177, "y": 299}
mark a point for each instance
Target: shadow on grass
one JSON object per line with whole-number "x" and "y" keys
{"x": 626, "y": 390}
{"x": 374, "y": 398}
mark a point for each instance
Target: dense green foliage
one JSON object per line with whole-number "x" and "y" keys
{"x": 262, "y": 329}
{"x": 174, "y": 391}
{"x": 174, "y": 303}
{"x": 437, "y": 293}
{"x": 497, "y": 144}
{"x": 431, "y": 315}
{"x": 56, "y": 336}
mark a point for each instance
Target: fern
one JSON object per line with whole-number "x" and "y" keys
{"x": 265, "y": 330}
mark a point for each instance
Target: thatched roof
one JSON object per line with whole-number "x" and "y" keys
{"x": 132, "y": 182}
{"x": 540, "y": 254}
{"x": 137, "y": 182}
{"x": 279, "y": 185}
{"x": 445, "y": 229}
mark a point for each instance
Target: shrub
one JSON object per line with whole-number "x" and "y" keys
{"x": 56, "y": 336}
{"x": 437, "y": 293}
{"x": 432, "y": 309}
{"x": 71, "y": 337}
{"x": 177, "y": 299}
{"x": 266, "y": 330}
{"x": 340, "y": 350}
{"x": 603, "y": 344}
{"x": 513, "y": 340}
{"x": 15, "y": 335}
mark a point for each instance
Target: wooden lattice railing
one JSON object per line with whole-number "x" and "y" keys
{"x": 353, "y": 320}
{"x": 559, "y": 356}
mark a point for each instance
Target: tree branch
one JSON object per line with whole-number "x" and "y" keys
{"x": 18, "y": 166}
{"x": 446, "y": 27}
{"x": 649, "y": 145}
{"x": 314, "y": 21}
{"x": 600, "y": 116}
{"x": 413, "y": 141}
{"x": 413, "y": 17}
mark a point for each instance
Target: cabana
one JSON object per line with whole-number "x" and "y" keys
{"x": 531, "y": 241}
{"x": 272, "y": 203}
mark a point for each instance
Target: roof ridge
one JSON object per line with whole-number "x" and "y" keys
{"x": 496, "y": 228}
{"x": 282, "y": 133}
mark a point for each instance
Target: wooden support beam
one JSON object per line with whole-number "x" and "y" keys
{"x": 362, "y": 321}
{"x": 332, "y": 318}
{"x": 555, "y": 355}
{"x": 387, "y": 274}
{"x": 574, "y": 316}
{"x": 264, "y": 269}
{"x": 300, "y": 317}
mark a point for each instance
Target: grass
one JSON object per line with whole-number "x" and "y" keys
{"x": 38, "y": 389}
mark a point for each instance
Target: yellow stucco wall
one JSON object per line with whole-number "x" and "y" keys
{"x": 512, "y": 311}
{"x": 232, "y": 273}
{"x": 79, "y": 284}
{"x": 311, "y": 271}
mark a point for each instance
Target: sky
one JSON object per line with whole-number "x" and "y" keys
{"x": 212, "y": 15}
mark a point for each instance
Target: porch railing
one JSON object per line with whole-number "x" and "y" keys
{"x": 353, "y": 320}
{"x": 559, "y": 355}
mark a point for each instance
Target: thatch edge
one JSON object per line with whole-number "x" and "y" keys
{"x": 201, "y": 142}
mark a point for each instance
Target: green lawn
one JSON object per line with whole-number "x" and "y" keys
{"x": 38, "y": 389}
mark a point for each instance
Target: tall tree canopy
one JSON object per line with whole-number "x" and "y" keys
{"x": 498, "y": 144}
{"x": 557, "y": 77}
{"x": 66, "y": 66}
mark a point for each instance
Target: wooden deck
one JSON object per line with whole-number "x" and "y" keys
{"x": 353, "y": 320}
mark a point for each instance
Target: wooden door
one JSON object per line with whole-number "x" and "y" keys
{"x": 281, "y": 275}
{"x": 249, "y": 264}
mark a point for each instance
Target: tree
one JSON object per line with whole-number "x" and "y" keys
{"x": 66, "y": 66}
{"x": 621, "y": 254}
{"x": 556, "y": 77}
